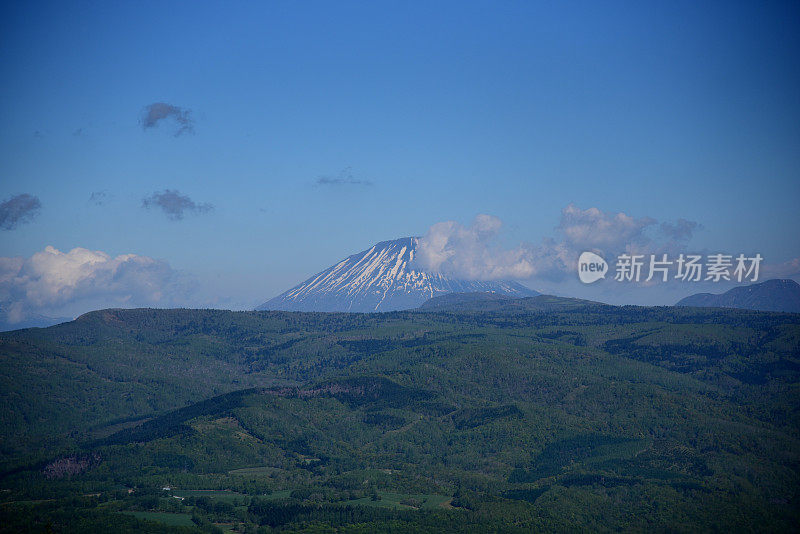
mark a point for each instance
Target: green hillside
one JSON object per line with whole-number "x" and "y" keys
{"x": 489, "y": 415}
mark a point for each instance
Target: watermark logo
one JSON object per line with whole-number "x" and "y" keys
{"x": 684, "y": 268}
{"x": 591, "y": 267}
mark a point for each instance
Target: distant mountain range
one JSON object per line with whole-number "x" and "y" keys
{"x": 772, "y": 295}
{"x": 384, "y": 277}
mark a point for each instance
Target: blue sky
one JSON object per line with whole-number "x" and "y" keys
{"x": 441, "y": 110}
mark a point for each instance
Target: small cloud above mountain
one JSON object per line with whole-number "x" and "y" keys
{"x": 100, "y": 198}
{"x": 344, "y": 178}
{"x": 175, "y": 205}
{"x": 160, "y": 112}
{"x": 19, "y": 209}
{"x": 680, "y": 230}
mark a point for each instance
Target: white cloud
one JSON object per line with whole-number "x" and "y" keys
{"x": 471, "y": 252}
{"x": 474, "y": 252}
{"x": 53, "y": 282}
{"x": 592, "y": 228}
{"x": 608, "y": 234}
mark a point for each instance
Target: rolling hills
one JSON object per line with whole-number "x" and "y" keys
{"x": 490, "y": 414}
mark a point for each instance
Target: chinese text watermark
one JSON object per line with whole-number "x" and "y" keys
{"x": 659, "y": 267}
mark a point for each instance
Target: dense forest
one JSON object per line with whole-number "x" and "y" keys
{"x": 487, "y": 415}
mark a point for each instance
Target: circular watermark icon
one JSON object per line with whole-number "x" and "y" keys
{"x": 591, "y": 267}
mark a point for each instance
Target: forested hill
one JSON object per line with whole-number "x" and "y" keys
{"x": 482, "y": 301}
{"x": 496, "y": 414}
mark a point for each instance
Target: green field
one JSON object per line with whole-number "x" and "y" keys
{"x": 402, "y": 500}
{"x": 254, "y": 471}
{"x": 214, "y": 494}
{"x": 177, "y": 520}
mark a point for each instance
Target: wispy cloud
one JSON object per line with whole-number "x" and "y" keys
{"x": 157, "y": 112}
{"x": 17, "y": 210}
{"x": 99, "y": 198}
{"x": 174, "y": 204}
{"x": 345, "y": 177}
{"x": 680, "y": 230}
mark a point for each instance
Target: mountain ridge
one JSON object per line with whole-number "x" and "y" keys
{"x": 781, "y": 295}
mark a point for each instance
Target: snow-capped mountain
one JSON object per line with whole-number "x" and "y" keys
{"x": 381, "y": 278}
